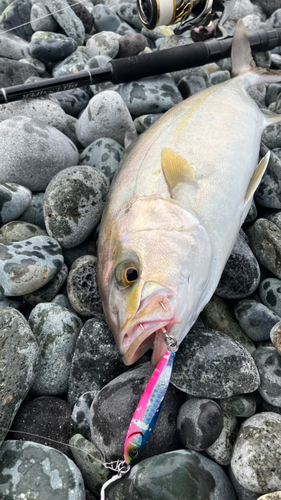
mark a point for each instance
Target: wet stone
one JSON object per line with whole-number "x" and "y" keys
{"x": 268, "y": 193}
{"x": 210, "y": 364}
{"x": 270, "y": 294}
{"x": 41, "y": 468}
{"x": 29, "y": 264}
{"x": 268, "y": 361}
{"x": 105, "y": 44}
{"x": 81, "y": 414}
{"x": 155, "y": 94}
{"x": 104, "y": 154}
{"x": 221, "y": 449}
{"x": 242, "y": 405}
{"x": 14, "y": 72}
{"x": 82, "y": 287}
{"x": 17, "y": 16}
{"x": 266, "y": 245}
{"x": 51, "y": 46}
{"x": 14, "y": 200}
{"x": 40, "y": 17}
{"x": 34, "y": 213}
{"x": 256, "y": 456}
{"x": 241, "y": 275}
{"x": 72, "y": 64}
{"x": 72, "y": 101}
{"x": 96, "y": 360}
{"x": 13, "y": 47}
{"x": 255, "y": 319}
{"x": 22, "y": 140}
{"x": 114, "y": 406}
{"x": 105, "y": 18}
{"x": 275, "y": 336}
{"x": 105, "y": 116}
{"x": 90, "y": 462}
{"x": 56, "y": 330}
{"x": 74, "y": 201}
{"x": 131, "y": 44}
{"x": 142, "y": 123}
{"x": 67, "y": 19}
{"x": 47, "y": 292}
{"x": 199, "y": 423}
{"x": 44, "y": 417}
{"x": 17, "y": 343}
{"x": 191, "y": 85}
{"x": 178, "y": 475}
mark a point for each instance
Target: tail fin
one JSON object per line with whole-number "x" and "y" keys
{"x": 243, "y": 62}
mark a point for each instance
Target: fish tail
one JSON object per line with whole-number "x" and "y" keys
{"x": 243, "y": 64}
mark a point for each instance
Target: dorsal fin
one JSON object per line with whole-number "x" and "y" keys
{"x": 241, "y": 56}
{"x": 176, "y": 169}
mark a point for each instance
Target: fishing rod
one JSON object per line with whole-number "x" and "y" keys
{"x": 132, "y": 68}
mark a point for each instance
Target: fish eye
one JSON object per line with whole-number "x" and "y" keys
{"x": 133, "y": 453}
{"x": 126, "y": 273}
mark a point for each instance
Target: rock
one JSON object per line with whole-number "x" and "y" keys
{"x": 123, "y": 394}
{"x": 243, "y": 405}
{"x": 210, "y": 364}
{"x": 104, "y": 154}
{"x": 219, "y": 77}
{"x": 82, "y": 287}
{"x": 88, "y": 247}
{"x": 199, "y": 423}
{"x": 242, "y": 493}
{"x": 96, "y": 360}
{"x": 10, "y": 302}
{"x": 72, "y": 64}
{"x": 17, "y": 16}
{"x": 45, "y": 472}
{"x": 62, "y": 300}
{"x": 271, "y": 136}
{"x": 191, "y": 85}
{"x": 13, "y": 47}
{"x": 41, "y": 19}
{"x": 273, "y": 90}
{"x": 84, "y": 11}
{"x": 241, "y": 275}
{"x": 257, "y": 452}
{"x": 67, "y": 19}
{"x": 22, "y": 141}
{"x": 14, "y": 72}
{"x": 14, "y": 200}
{"x": 242, "y": 8}
{"x": 271, "y": 496}
{"x": 18, "y": 364}
{"x": 269, "y": 6}
{"x": 127, "y": 10}
{"x": 125, "y": 29}
{"x": 18, "y": 231}
{"x": 218, "y": 316}
{"x": 255, "y": 319}
{"x": 34, "y": 213}
{"x": 27, "y": 265}
{"x": 142, "y": 123}
{"x": 221, "y": 449}
{"x": 90, "y": 462}
{"x": 266, "y": 245}
{"x": 268, "y": 193}
{"x": 131, "y": 44}
{"x": 74, "y": 201}
{"x": 275, "y": 336}
{"x": 105, "y": 116}
{"x": 105, "y": 44}
{"x": 81, "y": 414}
{"x": 258, "y": 93}
{"x": 275, "y": 19}
{"x": 47, "y": 292}
{"x": 276, "y": 62}
{"x": 178, "y": 475}
{"x": 105, "y": 18}
{"x": 270, "y": 294}
{"x": 51, "y": 46}
{"x": 262, "y": 59}
{"x": 72, "y": 101}
{"x": 48, "y": 419}
{"x": 155, "y": 94}
{"x": 56, "y": 330}
{"x": 251, "y": 22}
{"x": 35, "y": 63}
{"x": 268, "y": 361}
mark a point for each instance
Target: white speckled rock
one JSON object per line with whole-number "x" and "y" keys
{"x": 221, "y": 450}
{"x": 103, "y": 44}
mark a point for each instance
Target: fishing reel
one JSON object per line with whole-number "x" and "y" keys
{"x": 189, "y": 13}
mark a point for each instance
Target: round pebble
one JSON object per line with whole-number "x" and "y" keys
{"x": 72, "y": 64}
{"x": 142, "y": 123}
{"x": 17, "y": 14}
{"x": 127, "y": 10}
{"x": 82, "y": 287}
{"x": 51, "y": 46}
{"x": 105, "y": 18}
{"x": 191, "y": 85}
{"x": 15, "y": 72}
{"x": 270, "y": 294}
{"x": 271, "y": 496}
{"x": 243, "y": 405}
{"x": 14, "y": 200}
{"x": 67, "y": 19}
{"x": 81, "y": 414}
{"x": 34, "y": 213}
{"x": 268, "y": 361}
{"x": 255, "y": 319}
{"x": 41, "y": 19}
{"x": 131, "y": 44}
{"x": 13, "y": 47}
{"x": 105, "y": 44}
{"x": 275, "y": 336}
{"x": 19, "y": 230}
{"x": 266, "y": 244}
{"x": 268, "y": 193}
{"x": 47, "y": 292}
{"x": 221, "y": 449}
{"x": 72, "y": 101}
{"x": 104, "y": 154}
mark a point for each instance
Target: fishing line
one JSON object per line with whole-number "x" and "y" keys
{"x": 42, "y": 17}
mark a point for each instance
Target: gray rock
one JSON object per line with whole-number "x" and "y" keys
{"x": 276, "y": 62}
{"x": 268, "y": 193}
{"x": 258, "y": 93}
{"x": 56, "y": 330}
{"x": 210, "y": 364}
{"x": 241, "y": 275}
{"x": 266, "y": 245}
{"x": 199, "y": 423}
{"x": 125, "y": 29}
{"x": 18, "y": 364}
{"x": 252, "y": 214}
{"x": 242, "y": 8}
{"x": 41, "y": 18}
{"x": 127, "y": 10}
{"x": 256, "y": 456}
{"x": 221, "y": 449}
{"x": 142, "y": 123}
{"x": 271, "y": 496}
{"x": 62, "y": 300}
{"x": 51, "y": 46}
{"x": 85, "y": 13}
{"x": 67, "y": 19}
{"x": 18, "y": 231}
{"x": 105, "y": 18}
{"x": 35, "y": 63}
{"x": 243, "y": 405}
{"x": 13, "y": 46}
{"x": 72, "y": 101}
{"x": 88, "y": 247}
{"x": 14, "y": 200}
{"x": 34, "y": 213}
{"x": 219, "y": 77}
{"x": 271, "y": 136}
{"x": 10, "y": 302}
{"x": 90, "y": 462}
{"x": 74, "y": 201}
{"x": 275, "y": 336}
{"x": 72, "y": 64}
{"x": 131, "y": 44}
{"x": 262, "y": 59}
{"x": 155, "y": 94}
{"x": 47, "y": 472}
{"x": 218, "y": 316}
{"x": 105, "y": 116}
{"x": 14, "y": 72}
{"x": 269, "y": 6}
{"x": 104, "y": 154}
{"x": 17, "y": 15}
{"x": 191, "y": 85}
{"x": 105, "y": 44}
{"x": 96, "y": 360}
{"x": 268, "y": 361}
{"x": 47, "y": 292}
{"x": 275, "y": 19}
{"x": 270, "y": 294}
{"x": 251, "y": 22}
{"x": 255, "y": 319}
{"x": 273, "y": 90}
{"x": 158, "y": 32}
{"x": 123, "y": 394}
{"x": 22, "y": 141}
{"x": 178, "y": 475}
{"x": 82, "y": 287}
{"x": 28, "y": 265}
{"x": 242, "y": 493}
{"x": 81, "y": 414}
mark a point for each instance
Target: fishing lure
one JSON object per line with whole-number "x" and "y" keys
{"x": 146, "y": 413}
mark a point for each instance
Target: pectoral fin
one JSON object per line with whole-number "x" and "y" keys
{"x": 254, "y": 183}
{"x": 176, "y": 169}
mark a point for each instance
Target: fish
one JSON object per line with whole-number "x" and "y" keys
{"x": 176, "y": 206}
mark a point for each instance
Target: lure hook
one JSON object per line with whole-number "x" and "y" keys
{"x": 121, "y": 467}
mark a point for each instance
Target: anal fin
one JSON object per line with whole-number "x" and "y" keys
{"x": 176, "y": 169}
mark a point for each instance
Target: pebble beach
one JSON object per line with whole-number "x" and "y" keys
{"x": 66, "y": 398}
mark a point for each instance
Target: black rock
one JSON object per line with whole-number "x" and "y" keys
{"x": 255, "y": 319}
{"x": 84, "y": 15}
{"x": 266, "y": 245}
{"x": 268, "y": 193}
{"x": 17, "y": 16}
{"x": 81, "y": 414}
